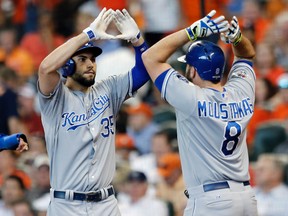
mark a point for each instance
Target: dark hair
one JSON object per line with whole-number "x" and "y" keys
{"x": 18, "y": 180}
{"x": 169, "y": 133}
{"x": 272, "y": 89}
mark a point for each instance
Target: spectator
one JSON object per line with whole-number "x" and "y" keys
{"x": 264, "y": 103}
{"x": 12, "y": 191}
{"x": 125, "y": 148}
{"x": 40, "y": 177}
{"x": 141, "y": 126}
{"x": 9, "y": 115}
{"x": 271, "y": 193}
{"x": 15, "y": 56}
{"x": 139, "y": 203}
{"x": 23, "y": 208}
{"x": 41, "y": 42}
{"x": 281, "y": 110}
{"x": 172, "y": 187}
{"x": 278, "y": 37}
{"x": 8, "y": 166}
{"x": 162, "y": 143}
{"x": 252, "y": 17}
{"x": 27, "y": 110}
{"x": 266, "y": 65}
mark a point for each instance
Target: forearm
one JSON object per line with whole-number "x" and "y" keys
{"x": 139, "y": 73}
{"x": 61, "y": 54}
{"x": 162, "y": 50}
{"x": 155, "y": 57}
{"x": 244, "y": 49}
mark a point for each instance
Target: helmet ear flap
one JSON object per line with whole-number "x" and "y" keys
{"x": 68, "y": 69}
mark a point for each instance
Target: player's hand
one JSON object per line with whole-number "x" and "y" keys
{"x": 207, "y": 26}
{"x": 23, "y": 146}
{"x": 97, "y": 29}
{"x": 127, "y": 26}
{"x": 233, "y": 35}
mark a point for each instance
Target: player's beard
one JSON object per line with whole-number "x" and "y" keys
{"x": 82, "y": 80}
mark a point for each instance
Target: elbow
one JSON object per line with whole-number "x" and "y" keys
{"x": 145, "y": 57}
{"x": 253, "y": 54}
{"x": 45, "y": 68}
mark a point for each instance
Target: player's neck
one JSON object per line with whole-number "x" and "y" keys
{"x": 207, "y": 84}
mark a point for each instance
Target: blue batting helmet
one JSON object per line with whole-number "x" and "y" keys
{"x": 69, "y": 68}
{"x": 207, "y": 58}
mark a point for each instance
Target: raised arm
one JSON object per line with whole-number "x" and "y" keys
{"x": 48, "y": 75}
{"x": 155, "y": 57}
{"x": 130, "y": 32}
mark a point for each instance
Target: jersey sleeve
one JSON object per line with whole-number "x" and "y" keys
{"x": 242, "y": 78}
{"x": 50, "y": 105}
{"x": 177, "y": 91}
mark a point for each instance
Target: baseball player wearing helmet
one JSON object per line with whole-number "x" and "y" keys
{"x": 211, "y": 118}
{"x": 79, "y": 117}
{"x": 17, "y": 141}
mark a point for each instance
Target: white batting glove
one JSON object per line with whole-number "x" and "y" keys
{"x": 97, "y": 29}
{"x": 127, "y": 26}
{"x": 233, "y": 35}
{"x": 206, "y": 26}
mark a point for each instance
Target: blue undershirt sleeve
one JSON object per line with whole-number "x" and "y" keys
{"x": 9, "y": 142}
{"x": 139, "y": 73}
{"x": 160, "y": 79}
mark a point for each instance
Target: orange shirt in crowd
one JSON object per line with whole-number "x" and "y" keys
{"x": 19, "y": 15}
{"x": 22, "y": 175}
{"x": 192, "y": 9}
{"x": 260, "y": 116}
{"x": 261, "y": 26}
{"x": 119, "y": 4}
{"x": 20, "y": 61}
{"x": 273, "y": 75}
{"x": 33, "y": 43}
{"x": 281, "y": 112}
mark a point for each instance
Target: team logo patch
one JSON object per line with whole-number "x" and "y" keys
{"x": 241, "y": 74}
{"x": 182, "y": 78}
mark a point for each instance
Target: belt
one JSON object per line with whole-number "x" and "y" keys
{"x": 220, "y": 185}
{"x": 93, "y": 196}
{"x": 216, "y": 186}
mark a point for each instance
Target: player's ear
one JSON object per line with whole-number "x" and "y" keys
{"x": 190, "y": 72}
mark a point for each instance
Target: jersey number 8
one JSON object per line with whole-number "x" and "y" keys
{"x": 232, "y": 133}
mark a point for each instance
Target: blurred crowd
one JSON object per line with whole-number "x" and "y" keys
{"x": 148, "y": 177}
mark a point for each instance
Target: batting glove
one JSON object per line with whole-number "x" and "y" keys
{"x": 206, "y": 26}
{"x": 97, "y": 29}
{"x": 233, "y": 35}
{"x": 127, "y": 26}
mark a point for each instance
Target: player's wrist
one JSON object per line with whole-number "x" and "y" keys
{"x": 136, "y": 38}
{"x": 237, "y": 39}
{"x": 89, "y": 33}
{"x": 190, "y": 34}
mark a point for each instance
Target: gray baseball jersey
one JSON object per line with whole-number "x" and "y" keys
{"x": 211, "y": 125}
{"x": 80, "y": 133}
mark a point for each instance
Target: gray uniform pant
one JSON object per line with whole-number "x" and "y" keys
{"x": 237, "y": 200}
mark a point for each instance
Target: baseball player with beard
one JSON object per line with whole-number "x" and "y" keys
{"x": 211, "y": 118}
{"x": 79, "y": 117}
